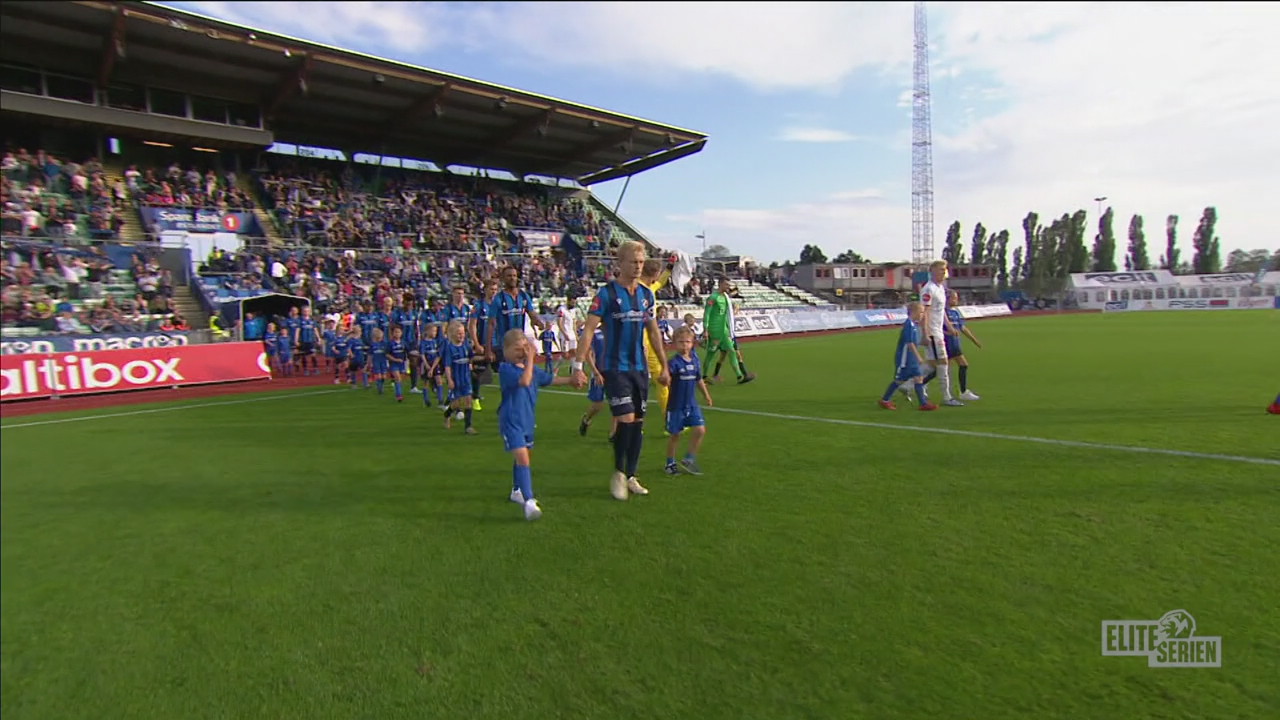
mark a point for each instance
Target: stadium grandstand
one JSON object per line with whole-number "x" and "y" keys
{"x": 160, "y": 166}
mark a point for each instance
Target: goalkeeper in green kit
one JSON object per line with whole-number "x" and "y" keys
{"x": 718, "y": 322}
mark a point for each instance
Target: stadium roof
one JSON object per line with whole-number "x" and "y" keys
{"x": 318, "y": 95}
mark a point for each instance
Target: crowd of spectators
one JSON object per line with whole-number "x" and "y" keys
{"x": 45, "y": 196}
{"x": 188, "y": 188}
{"x": 334, "y": 278}
{"x": 59, "y": 290}
{"x": 362, "y": 207}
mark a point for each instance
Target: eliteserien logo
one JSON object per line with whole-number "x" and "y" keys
{"x": 1168, "y": 642}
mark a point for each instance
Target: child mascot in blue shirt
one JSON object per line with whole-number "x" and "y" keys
{"x": 520, "y": 380}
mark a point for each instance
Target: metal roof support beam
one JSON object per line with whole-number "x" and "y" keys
{"x": 623, "y": 136}
{"x": 420, "y": 107}
{"x": 291, "y": 82}
{"x": 509, "y": 135}
{"x": 112, "y": 49}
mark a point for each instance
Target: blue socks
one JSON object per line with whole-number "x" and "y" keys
{"x": 466, "y": 415}
{"x": 381, "y": 382}
{"x": 440, "y": 393}
{"x": 888, "y": 394}
{"x": 426, "y": 395}
{"x": 920, "y": 394}
{"x": 522, "y": 480}
{"x": 399, "y": 388}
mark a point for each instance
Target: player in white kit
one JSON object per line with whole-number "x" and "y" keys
{"x": 569, "y": 322}
{"x": 933, "y": 296}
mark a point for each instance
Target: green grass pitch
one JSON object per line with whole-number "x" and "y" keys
{"x": 335, "y": 555}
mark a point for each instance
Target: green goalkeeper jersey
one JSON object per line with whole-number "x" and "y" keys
{"x": 716, "y": 320}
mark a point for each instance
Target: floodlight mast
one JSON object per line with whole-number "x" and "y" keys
{"x": 921, "y": 147}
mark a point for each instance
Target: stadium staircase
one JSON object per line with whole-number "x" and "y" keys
{"x": 132, "y": 230}
{"x": 190, "y": 307}
{"x": 265, "y": 220}
{"x": 803, "y": 296}
{"x": 604, "y": 211}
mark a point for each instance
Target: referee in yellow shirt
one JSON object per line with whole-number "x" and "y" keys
{"x": 655, "y": 278}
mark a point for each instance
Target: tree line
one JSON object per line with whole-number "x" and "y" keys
{"x": 1049, "y": 254}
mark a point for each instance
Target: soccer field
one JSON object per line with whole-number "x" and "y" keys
{"x": 331, "y": 554}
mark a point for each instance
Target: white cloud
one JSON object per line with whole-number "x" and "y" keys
{"x": 1163, "y": 112}
{"x": 769, "y": 46}
{"x": 816, "y": 135}
{"x": 393, "y": 28}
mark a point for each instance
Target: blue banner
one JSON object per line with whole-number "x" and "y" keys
{"x": 41, "y": 344}
{"x": 199, "y": 220}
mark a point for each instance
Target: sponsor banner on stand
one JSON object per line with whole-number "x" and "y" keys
{"x": 540, "y": 238}
{"x": 42, "y": 344}
{"x": 198, "y": 220}
{"x": 1249, "y": 303}
{"x": 1258, "y": 303}
{"x": 754, "y": 324}
{"x": 811, "y": 321}
{"x": 24, "y": 377}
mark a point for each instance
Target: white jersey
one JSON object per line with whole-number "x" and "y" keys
{"x": 569, "y": 318}
{"x": 934, "y": 298}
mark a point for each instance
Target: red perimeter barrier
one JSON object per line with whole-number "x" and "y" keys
{"x": 23, "y": 377}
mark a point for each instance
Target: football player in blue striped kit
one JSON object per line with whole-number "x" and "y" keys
{"x": 519, "y": 378}
{"x": 337, "y": 348}
{"x": 457, "y": 358}
{"x": 406, "y": 318}
{"x": 508, "y": 311}
{"x": 397, "y": 359}
{"x": 624, "y": 308}
{"x": 378, "y": 359}
{"x": 359, "y": 360}
{"x": 478, "y": 331}
{"x": 284, "y": 350}
{"x": 429, "y": 348}
{"x": 595, "y": 391}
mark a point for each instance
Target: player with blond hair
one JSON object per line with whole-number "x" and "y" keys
{"x": 933, "y": 298}
{"x": 624, "y": 309}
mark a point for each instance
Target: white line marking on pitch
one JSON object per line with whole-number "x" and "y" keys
{"x": 990, "y": 435}
{"x": 60, "y": 421}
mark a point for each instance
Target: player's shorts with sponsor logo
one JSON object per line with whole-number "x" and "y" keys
{"x": 678, "y": 420}
{"x": 627, "y": 391}
{"x": 936, "y": 348}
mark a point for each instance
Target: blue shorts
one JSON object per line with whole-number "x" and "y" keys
{"x": 285, "y": 357}
{"x": 678, "y": 420}
{"x": 461, "y": 388}
{"x": 595, "y": 392}
{"x": 356, "y": 361}
{"x": 379, "y": 367}
{"x": 953, "y": 347}
{"x": 627, "y": 391}
{"x": 514, "y": 438}
{"x": 397, "y": 367}
{"x": 908, "y": 372}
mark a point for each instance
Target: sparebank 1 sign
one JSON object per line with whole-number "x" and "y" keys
{"x": 195, "y": 220}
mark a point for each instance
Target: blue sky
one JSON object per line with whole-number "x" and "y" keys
{"x": 1163, "y": 108}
